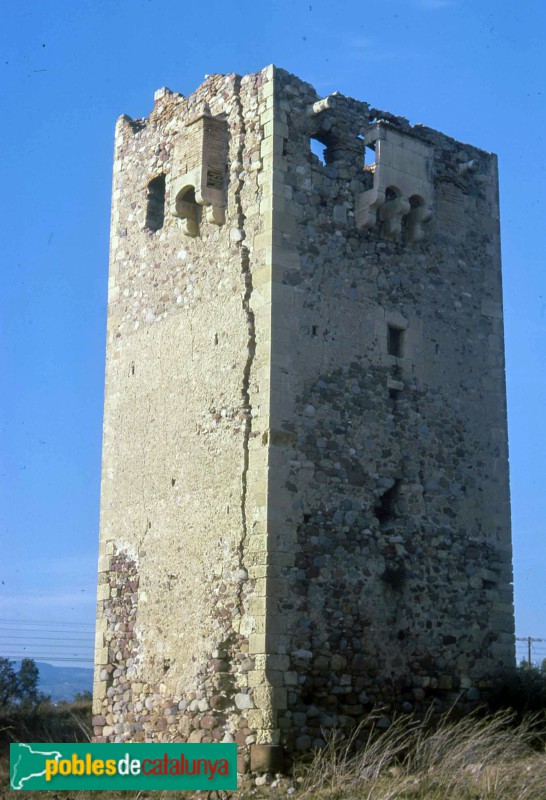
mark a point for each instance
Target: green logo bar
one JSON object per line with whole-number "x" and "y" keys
{"x": 123, "y": 766}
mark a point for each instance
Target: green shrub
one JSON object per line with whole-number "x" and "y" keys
{"x": 524, "y": 692}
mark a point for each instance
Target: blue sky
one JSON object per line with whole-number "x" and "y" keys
{"x": 473, "y": 69}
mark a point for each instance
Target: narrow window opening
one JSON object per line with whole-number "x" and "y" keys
{"x": 314, "y": 330}
{"x": 318, "y": 149}
{"x": 395, "y": 341}
{"x": 307, "y": 517}
{"x": 155, "y": 207}
{"x": 369, "y": 156}
{"x": 385, "y": 510}
{"x": 393, "y": 395}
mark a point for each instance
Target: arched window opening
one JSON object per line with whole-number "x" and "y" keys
{"x": 155, "y": 206}
{"x": 391, "y": 193}
{"x": 417, "y": 218}
{"x": 391, "y": 213}
{"x": 188, "y": 210}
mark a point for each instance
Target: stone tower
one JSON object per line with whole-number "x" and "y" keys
{"x": 305, "y": 499}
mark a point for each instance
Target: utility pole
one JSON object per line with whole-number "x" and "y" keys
{"x": 529, "y": 640}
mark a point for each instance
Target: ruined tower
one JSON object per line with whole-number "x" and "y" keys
{"x": 305, "y": 501}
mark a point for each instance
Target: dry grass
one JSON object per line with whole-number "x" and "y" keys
{"x": 468, "y": 759}
{"x": 65, "y": 722}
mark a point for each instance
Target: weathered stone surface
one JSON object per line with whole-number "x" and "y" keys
{"x": 305, "y": 508}
{"x": 266, "y": 758}
{"x": 243, "y": 701}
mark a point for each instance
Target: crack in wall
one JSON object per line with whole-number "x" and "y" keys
{"x": 251, "y": 342}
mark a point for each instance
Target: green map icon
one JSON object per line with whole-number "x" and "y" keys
{"x": 27, "y": 764}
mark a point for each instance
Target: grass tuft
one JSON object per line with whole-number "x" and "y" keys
{"x": 468, "y": 759}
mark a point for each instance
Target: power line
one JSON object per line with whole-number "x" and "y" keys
{"x": 37, "y": 627}
{"x": 26, "y": 643}
{"x": 62, "y": 623}
{"x": 67, "y": 627}
{"x": 44, "y": 621}
{"x": 59, "y": 659}
{"x": 58, "y": 641}
{"x": 530, "y": 641}
{"x": 44, "y": 638}
{"x": 32, "y": 646}
{"x": 44, "y": 641}
{"x": 48, "y": 640}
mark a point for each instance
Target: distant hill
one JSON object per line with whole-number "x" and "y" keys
{"x": 62, "y": 683}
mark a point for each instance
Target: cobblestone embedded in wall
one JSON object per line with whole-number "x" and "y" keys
{"x": 374, "y": 582}
{"x": 305, "y": 508}
{"x": 135, "y": 711}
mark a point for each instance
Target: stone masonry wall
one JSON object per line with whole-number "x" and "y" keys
{"x": 305, "y": 502}
{"x": 391, "y": 471}
{"x": 186, "y": 399}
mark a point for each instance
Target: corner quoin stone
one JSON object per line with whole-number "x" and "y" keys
{"x": 305, "y": 503}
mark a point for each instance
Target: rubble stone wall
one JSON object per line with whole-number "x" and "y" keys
{"x": 305, "y": 503}
{"x": 391, "y": 470}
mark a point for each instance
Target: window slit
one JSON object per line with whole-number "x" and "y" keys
{"x": 155, "y": 208}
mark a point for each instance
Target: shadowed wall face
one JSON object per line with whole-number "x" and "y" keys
{"x": 305, "y": 506}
